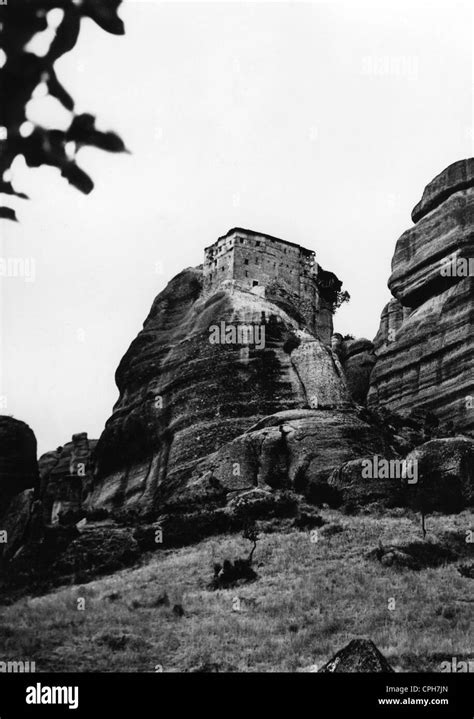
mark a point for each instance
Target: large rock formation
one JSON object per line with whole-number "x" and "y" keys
{"x": 445, "y": 469}
{"x": 193, "y": 402}
{"x": 18, "y": 465}
{"x": 66, "y": 477}
{"x": 358, "y": 358}
{"x": 294, "y": 450}
{"x": 425, "y": 345}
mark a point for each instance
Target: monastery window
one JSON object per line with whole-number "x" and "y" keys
{"x": 246, "y": 273}
{"x": 258, "y": 243}
{"x": 246, "y": 262}
{"x": 254, "y": 283}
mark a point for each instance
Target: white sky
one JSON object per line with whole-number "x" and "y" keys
{"x": 320, "y": 123}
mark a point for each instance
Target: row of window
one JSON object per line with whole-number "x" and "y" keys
{"x": 246, "y": 262}
{"x": 254, "y": 282}
{"x": 243, "y": 240}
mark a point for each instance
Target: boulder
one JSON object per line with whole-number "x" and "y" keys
{"x": 360, "y": 655}
{"x": 18, "y": 465}
{"x": 358, "y": 482}
{"x": 97, "y": 550}
{"x": 445, "y": 475}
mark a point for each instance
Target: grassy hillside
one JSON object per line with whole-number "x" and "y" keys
{"x": 311, "y": 598}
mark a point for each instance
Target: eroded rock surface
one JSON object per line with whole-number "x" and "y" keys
{"x": 66, "y": 477}
{"x": 445, "y": 470}
{"x": 185, "y": 400}
{"x": 18, "y": 465}
{"x": 425, "y": 345}
{"x": 358, "y": 359}
{"x": 360, "y": 655}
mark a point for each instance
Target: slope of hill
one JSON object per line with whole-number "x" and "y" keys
{"x": 314, "y": 593}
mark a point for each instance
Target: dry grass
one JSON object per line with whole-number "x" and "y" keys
{"x": 310, "y": 600}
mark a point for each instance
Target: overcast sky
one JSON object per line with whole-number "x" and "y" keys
{"x": 319, "y": 123}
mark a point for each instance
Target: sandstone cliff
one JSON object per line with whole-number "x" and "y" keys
{"x": 358, "y": 359}
{"x": 66, "y": 477}
{"x": 189, "y": 410}
{"x": 18, "y": 465}
{"x": 425, "y": 344}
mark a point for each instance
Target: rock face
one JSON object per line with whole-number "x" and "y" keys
{"x": 66, "y": 477}
{"x": 425, "y": 345}
{"x": 458, "y": 176}
{"x": 16, "y": 522}
{"x": 18, "y": 465}
{"x": 355, "y": 489}
{"x": 294, "y": 450}
{"x": 358, "y": 359}
{"x": 194, "y": 402}
{"x": 360, "y": 655}
{"x": 445, "y": 475}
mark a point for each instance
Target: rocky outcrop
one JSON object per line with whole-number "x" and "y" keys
{"x": 191, "y": 409}
{"x": 66, "y": 477}
{"x": 358, "y": 359}
{"x": 360, "y": 655}
{"x": 18, "y": 465}
{"x": 17, "y": 523}
{"x": 295, "y": 450}
{"x": 425, "y": 345}
{"x": 458, "y": 176}
{"x": 356, "y": 487}
{"x": 445, "y": 469}
{"x": 392, "y": 317}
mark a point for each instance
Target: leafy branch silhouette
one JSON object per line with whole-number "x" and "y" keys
{"x": 23, "y": 71}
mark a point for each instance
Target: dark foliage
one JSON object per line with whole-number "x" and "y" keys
{"x": 23, "y": 71}
{"x": 231, "y": 574}
{"x": 418, "y": 554}
{"x": 467, "y": 570}
{"x": 330, "y": 288}
{"x": 291, "y": 343}
{"x": 308, "y": 520}
{"x": 178, "y": 610}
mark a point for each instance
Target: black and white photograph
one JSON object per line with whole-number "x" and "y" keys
{"x": 236, "y": 353}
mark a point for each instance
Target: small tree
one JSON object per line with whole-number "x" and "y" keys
{"x": 420, "y": 495}
{"x": 251, "y": 533}
{"x": 230, "y": 574}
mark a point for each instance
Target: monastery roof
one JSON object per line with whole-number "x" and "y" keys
{"x": 263, "y": 234}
